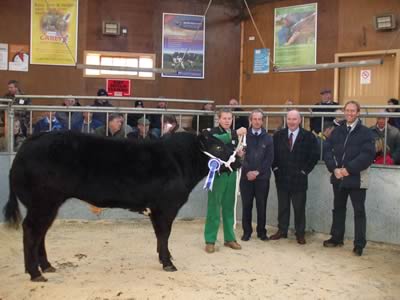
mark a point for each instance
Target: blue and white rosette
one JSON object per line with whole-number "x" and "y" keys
{"x": 213, "y": 166}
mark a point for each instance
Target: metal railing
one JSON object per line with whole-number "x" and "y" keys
{"x": 273, "y": 119}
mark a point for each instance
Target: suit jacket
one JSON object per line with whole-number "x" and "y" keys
{"x": 291, "y": 168}
{"x": 356, "y": 155}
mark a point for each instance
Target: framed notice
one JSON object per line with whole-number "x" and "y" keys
{"x": 3, "y": 56}
{"x": 261, "y": 61}
{"x": 183, "y": 50}
{"x": 54, "y": 29}
{"x": 295, "y": 35}
{"x": 118, "y": 87}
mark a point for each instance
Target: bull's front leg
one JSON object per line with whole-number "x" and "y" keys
{"x": 162, "y": 227}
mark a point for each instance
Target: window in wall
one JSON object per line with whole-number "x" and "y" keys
{"x": 119, "y": 59}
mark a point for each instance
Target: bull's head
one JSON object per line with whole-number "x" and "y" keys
{"x": 217, "y": 148}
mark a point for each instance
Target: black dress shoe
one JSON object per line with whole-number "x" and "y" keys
{"x": 278, "y": 235}
{"x": 301, "y": 240}
{"x": 263, "y": 237}
{"x": 332, "y": 243}
{"x": 246, "y": 237}
{"x": 358, "y": 251}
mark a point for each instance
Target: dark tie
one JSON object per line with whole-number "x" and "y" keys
{"x": 348, "y": 129}
{"x": 291, "y": 141}
{"x": 256, "y": 133}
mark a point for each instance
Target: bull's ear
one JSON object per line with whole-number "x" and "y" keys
{"x": 206, "y": 133}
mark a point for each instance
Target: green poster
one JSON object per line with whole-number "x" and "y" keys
{"x": 295, "y": 35}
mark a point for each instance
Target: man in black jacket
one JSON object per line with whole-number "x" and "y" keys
{"x": 327, "y": 105}
{"x": 349, "y": 152}
{"x": 295, "y": 155}
{"x": 256, "y": 172}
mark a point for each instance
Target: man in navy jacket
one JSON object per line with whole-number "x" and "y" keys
{"x": 256, "y": 172}
{"x": 349, "y": 152}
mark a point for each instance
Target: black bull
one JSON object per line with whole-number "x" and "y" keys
{"x": 53, "y": 167}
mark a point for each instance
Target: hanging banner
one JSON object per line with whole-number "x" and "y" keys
{"x": 183, "y": 47}
{"x": 3, "y": 56}
{"x": 19, "y": 58}
{"x": 295, "y": 35}
{"x": 261, "y": 61}
{"x": 54, "y": 29}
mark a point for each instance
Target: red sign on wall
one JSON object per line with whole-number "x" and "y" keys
{"x": 119, "y": 87}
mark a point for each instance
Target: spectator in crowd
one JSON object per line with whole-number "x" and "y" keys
{"x": 380, "y": 157}
{"x": 133, "y": 118}
{"x": 48, "y": 122}
{"x": 155, "y": 120}
{"x": 256, "y": 172}
{"x": 86, "y": 124}
{"x": 19, "y": 137}
{"x": 239, "y": 121}
{"x": 322, "y": 136}
{"x": 222, "y": 196}
{"x": 115, "y": 127}
{"x": 142, "y": 131}
{"x": 23, "y": 116}
{"x": 170, "y": 125}
{"x": 204, "y": 121}
{"x": 392, "y": 140}
{"x": 348, "y": 154}
{"x": 394, "y": 121}
{"x": 326, "y": 101}
{"x": 63, "y": 116}
{"x": 100, "y": 102}
{"x": 295, "y": 155}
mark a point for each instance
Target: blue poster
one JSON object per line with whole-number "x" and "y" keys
{"x": 183, "y": 45}
{"x": 261, "y": 61}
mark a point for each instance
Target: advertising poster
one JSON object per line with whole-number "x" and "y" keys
{"x": 183, "y": 39}
{"x": 54, "y": 29}
{"x": 261, "y": 61}
{"x": 18, "y": 58}
{"x": 295, "y": 35}
{"x": 3, "y": 56}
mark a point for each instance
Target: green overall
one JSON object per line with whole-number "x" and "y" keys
{"x": 221, "y": 196}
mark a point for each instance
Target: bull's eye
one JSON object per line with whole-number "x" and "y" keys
{"x": 219, "y": 148}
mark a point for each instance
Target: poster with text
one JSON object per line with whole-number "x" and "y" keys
{"x": 183, "y": 50}
{"x": 261, "y": 61}
{"x": 54, "y": 29}
{"x": 3, "y": 56}
{"x": 295, "y": 35}
{"x": 18, "y": 58}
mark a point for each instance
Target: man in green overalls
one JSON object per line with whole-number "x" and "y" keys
{"x": 222, "y": 196}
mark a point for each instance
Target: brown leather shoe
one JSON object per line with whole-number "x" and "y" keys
{"x": 301, "y": 240}
{"x": 233, "y": 245}
{"x": 278, "y": 235}
{"x": 210, "y": 248}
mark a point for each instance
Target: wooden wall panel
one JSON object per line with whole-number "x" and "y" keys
{"x": 143, "y": 18}
{"x": 343, "y": 26}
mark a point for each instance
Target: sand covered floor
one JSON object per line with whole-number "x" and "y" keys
{"x": 101, "y": 260}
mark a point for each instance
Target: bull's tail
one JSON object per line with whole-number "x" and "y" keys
{"x": 11, "y": 210}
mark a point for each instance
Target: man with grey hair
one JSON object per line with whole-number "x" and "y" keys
{"x": 256, "y": 172}
{"x": 295, "y": 155}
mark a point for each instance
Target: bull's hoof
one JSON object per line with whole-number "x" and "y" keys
{"x": 49, "y": 270}
{"x": 39, "y": 279}
{"x": 170, "y": 268}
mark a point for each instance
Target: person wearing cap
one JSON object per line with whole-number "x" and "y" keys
{"x": 101, "y": 102}
{"x": 326, "y": 100}
{"x": 155, "y": 120}
{"x": 141, "y": 132}
{"x": 133, "y": 118}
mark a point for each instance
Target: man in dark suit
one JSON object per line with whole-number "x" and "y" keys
{"x": 256, "y": 172}
{"x": 348, "y": 153}
{"x": 295, "y": 155}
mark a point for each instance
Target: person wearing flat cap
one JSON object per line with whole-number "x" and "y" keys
{"x": 326, "y": 100}
{"x": 141, "y": 132}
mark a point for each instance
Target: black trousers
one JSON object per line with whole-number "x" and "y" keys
{"x": 298, "y": 200}
{"x": 357, "y": 197}
{"x": 249, "y": 190}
